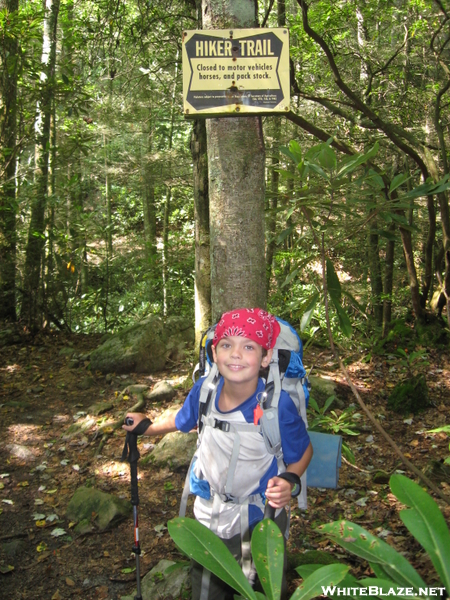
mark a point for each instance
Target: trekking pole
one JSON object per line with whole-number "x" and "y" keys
{"x": 269, "y": 512}
{"x": 131, "y": 452}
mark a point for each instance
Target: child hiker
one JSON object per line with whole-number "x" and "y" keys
{"x": 234, "y": 474}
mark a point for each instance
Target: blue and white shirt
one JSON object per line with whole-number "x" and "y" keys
{"x": 255, "y": 465}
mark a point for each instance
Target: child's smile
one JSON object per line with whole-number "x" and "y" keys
{"x": 239, "y": 359}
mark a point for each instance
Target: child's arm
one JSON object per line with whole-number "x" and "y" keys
{"x": 166, "y": 425}
{"x": 279, "y": 490}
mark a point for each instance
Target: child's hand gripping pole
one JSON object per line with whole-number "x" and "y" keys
{"x": 131, "y": 453}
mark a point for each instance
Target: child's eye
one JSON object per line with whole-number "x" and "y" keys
{"x": 249, "y": 347}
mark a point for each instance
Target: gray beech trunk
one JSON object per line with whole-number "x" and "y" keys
{"x": 236, "y": 159}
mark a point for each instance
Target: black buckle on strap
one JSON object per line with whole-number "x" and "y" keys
{"x": 222, "y": 425}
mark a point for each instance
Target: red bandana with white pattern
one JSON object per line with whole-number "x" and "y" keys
{"x": 253, "y": 323}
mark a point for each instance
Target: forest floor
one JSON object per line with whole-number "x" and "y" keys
{"x": 39, "y": 473}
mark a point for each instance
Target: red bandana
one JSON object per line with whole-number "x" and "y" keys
{"x": 253, "y": 323}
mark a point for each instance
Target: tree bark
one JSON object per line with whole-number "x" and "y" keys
{"x": 36, "y": 238}
{"x": 148, "y": 200}
{"x": 376, "y": 281}
{"x": 388, "y": 282}
{"x": 8, "y": 131}
{"x": 201, "y": 215}
{"x": 236, "y": 188}
{"x": 271, "y": 220}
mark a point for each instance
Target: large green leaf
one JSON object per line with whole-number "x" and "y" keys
{"x": 268, "y": 556}
{"x": 344, "y": 321}
{"x": 357, "y": 540}
{"x": 312, "y": 586}
{"x": 426, "y": 523}
{"x": 295, "y": 150}
{"x": 348, "y": 166}
{"x": 309, "y": 311}
{"x": 398, "y": 181}
{"x": 327, "y": 158}
{"x": 201, "y": 544}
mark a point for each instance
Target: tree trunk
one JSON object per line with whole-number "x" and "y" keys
{"x": 109, "y": 224}
{"x": 8, "y": 127}
{"x": 36, "y": 238}
{"x": 411, "y": 268}
{"x": 388, "y": 282}
{"x": 271, "y": 221}
{"x": 201, "y": 215}
{"x": 376, "y": 281}
{"x": 165, "y": 256}
{"x": 148, "y": 200}
{"x": 236, "y": 188}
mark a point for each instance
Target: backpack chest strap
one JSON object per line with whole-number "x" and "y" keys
{"x": 227, "y": 426}
{"x": 235, "y": 428}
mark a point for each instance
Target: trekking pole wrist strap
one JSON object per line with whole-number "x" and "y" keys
{"x": 295, "y": 480}
{"x": 130, "y": 451}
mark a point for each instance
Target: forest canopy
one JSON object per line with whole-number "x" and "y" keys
{"x": 97, "y": 224}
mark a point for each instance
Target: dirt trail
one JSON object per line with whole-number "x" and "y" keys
{"x": 43, "y": 389}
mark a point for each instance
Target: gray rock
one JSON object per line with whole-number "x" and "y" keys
{"x": 144, "y": 347}
{"x": 162, "y": 392}
{"x": 321, "y": 388}
{"x": 175, "y": 450}
{"x": 157, "y": 584}
{"x": 109, "y": 508}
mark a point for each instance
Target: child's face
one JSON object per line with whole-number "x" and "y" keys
{"x": 239, "y": 359}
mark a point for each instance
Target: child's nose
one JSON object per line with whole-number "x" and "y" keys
{"x": 236, "y": 351}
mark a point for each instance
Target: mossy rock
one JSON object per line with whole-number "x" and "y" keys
{"x": 409, "y": 396}
{"x": 108, "y": 508}
{"x": 145, "y": 347}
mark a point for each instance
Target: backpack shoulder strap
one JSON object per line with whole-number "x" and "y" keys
{"x": 207, "y": 394}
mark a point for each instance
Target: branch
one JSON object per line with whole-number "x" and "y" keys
{"x": 389, "y": 129}
{"x": 263, "y": 24}
{"x": 383, "y": 68}
{"x": 319, "y": 133}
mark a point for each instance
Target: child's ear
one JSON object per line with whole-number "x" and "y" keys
{"x": 267, "y": 358}
{"x": 213, "y": 348}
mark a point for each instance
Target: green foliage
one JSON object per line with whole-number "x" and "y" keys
{"x": 443, "y": 429}
{"x": 341, "y": 423}
{"x": 423, "y": 520}
{"x": 409, "y": 396}
{"x": 203, "y": 546}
